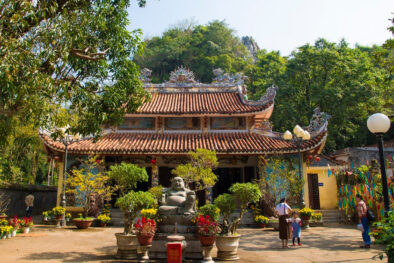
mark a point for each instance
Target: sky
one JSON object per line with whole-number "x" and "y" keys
{"x": 280, "y": 25}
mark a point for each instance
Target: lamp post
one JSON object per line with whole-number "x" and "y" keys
{"x": 67, "y": 139}
{"x": 379, "y": 124}
{"x": 301, "y": 135}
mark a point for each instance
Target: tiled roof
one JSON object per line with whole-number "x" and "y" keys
{"x": 153, "y": 143}
{"x": 198, "y": 103}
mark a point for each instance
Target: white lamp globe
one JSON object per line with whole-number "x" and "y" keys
{"x": 378, "y": 123}
{"x": 306, "y": 135}
{"x": 298, "y": 131}
{"x": 287, "y": 136}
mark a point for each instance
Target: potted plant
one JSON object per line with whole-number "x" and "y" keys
{"x": 207, "y": 229}
{"x": 103, "y": 220}
{"x": 89, "y": 187}
{"x": 126, "y": 177}
{"x": 130, "y": 204}
{"x": 45, "y": 215}
{"x": 26, "y": 224}
{"x": 145, "y": 230}
{"x": 15, "y": 223}
{"x": 228, "y": 240}
{"x": 68, "y": 217}
{"x": 261, "y": 221}
{"x": 58, "y": 212}
{"x": 306, "y": 214}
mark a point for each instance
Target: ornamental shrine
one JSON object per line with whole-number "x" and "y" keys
{"x": 184, "y": 115}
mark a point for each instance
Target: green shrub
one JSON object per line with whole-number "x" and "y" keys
{"x": 386, "y": 235}
{"x": 211, "y": 210}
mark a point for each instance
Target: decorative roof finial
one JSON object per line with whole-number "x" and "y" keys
{"x": 145, "y": 75}
{"x": 228, "y": 78}
{"x": 182, "y": 75}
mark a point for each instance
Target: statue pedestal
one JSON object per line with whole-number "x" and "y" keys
{"x": 207, "y": 258}
{"x": 191, "y": 246}
{"x": 144, "y": 251}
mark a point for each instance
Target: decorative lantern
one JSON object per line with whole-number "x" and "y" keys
{"x": 310, "y": 157}
{"x": 317, "y": 159}
{"x": 56, "y": 158}
{"x": 153, "y": 161}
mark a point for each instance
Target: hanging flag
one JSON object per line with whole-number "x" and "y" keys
{"x": 352, "y": 165}
{"x": 367, "y": 162}
{"x": 390, "y": 158}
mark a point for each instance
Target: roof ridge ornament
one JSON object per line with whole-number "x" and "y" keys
{"x": 182, "y": 75}
{"x": 228, "y": 78}
{"x": 145, "y": 75}
{"x": 318, "y": 122}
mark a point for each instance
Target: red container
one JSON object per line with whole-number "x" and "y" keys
{"x": 145, "y": 240}
{"x": 207, "y": 240}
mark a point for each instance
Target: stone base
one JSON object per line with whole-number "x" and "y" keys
{"x": 126, "y": 254}
{"x": 227, "y": 255}
{"x": 192, "y": 250}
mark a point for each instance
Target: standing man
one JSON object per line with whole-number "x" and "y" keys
{"x": 363, "y": 219}
{"x": 29, "y": 201}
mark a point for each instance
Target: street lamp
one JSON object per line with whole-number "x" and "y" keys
{"x": 379, "y": 124}
{"x": 66, "y": 139}
{"x": 301, "y": 135}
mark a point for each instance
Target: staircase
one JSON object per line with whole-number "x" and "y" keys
{"x": 330, "y": 216}
{"x": 116, "y": 217}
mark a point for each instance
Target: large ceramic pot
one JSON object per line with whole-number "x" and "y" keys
{"x": 227, "y": 247}
{"x": 145, "y": 240}
{"x": 207, "y": 240}
{"x": 127, "y": 246}
{"x": 261, "y": 225}
{"x": 83, "y": 224}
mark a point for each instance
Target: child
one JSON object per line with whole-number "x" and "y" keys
{"x": 296, "y": 226}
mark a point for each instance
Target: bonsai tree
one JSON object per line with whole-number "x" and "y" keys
{"x": 85, "y": 184}
{"x": 127, "y": 176}
{"x": 198, "y": 174}
{"x": 130, "y": 204}
{"x": 244, "y": 194}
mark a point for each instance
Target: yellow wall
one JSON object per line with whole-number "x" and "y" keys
{"x": 328, "y": 193}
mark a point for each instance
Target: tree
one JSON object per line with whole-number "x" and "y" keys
{"x": 201, "y": 48}
{"x": 278, "y": 178}
{"x": 198, "y": 174}
{"x": 127, "y": 176}
{"x": 71, "y": 55}
{"x": 85, "y": 184}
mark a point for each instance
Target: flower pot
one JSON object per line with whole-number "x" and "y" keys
{"x": 305, "y": 223}
{"x": 13, "y": 233}
{"x": 207, "y": 240}
{"x": 26, "y": 230}
{"x": 145, "y": 240}
{"x": 103, "y": 224}
{"x": 9, "y": 235}
{"x": 82, "y": 224}
{"x": 261, "y": 225}
{"x": 3, "y": 217}
{"x": 4, "y": 237}
{"x": 45, "y": 219}
{"x": 127, "y": 246}
{"x": 59, "y": 217}
{"x": 305, "y": 217}
{"x": 227, "y": 247}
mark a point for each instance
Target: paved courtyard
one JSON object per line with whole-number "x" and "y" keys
{"x": 321, "y": 244}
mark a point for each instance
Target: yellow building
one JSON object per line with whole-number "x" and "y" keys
{"x": 320, "y": 190}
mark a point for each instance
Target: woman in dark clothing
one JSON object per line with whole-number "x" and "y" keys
{"x": 283, "y": 210}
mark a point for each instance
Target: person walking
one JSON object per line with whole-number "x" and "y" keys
{"x": 283, "y": 210}
{"x": 29, "y": 201}
{"x": 363, "y": 219}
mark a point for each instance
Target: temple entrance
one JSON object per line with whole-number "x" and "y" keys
{"x": 226, "y": 177}
{"x": 313, "y": 187}
{"x": 165, "y": 176}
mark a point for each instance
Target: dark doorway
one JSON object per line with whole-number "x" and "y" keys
{"x": 249, "y": 174}
{"x": 165, "y": 176}
{"x": 226, "y": 177}
{"x": 313, "y": 185}
{"x": 146, "y": 185}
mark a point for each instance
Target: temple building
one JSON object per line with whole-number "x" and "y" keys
{"x": 184, "y": 115}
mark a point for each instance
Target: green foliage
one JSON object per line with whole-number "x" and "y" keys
{"x": 75, "y": 53}
{"x": 211, "y": 210}
{"x": 386, "y": 236}
{"x": 201, "y": 48}
{"x": 277, "y": 176}
{"x": 246, "y": 193}
{"x": 127, "y": 176}
{"x": 198, "y": 174}
{"x": 131, "y": 203}
{"x": 85, "y": 184}
{"x": 226, "y": 204}
{"x": 157, "y": 192}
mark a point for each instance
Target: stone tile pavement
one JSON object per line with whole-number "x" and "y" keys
{"x": 335, "y": 243}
